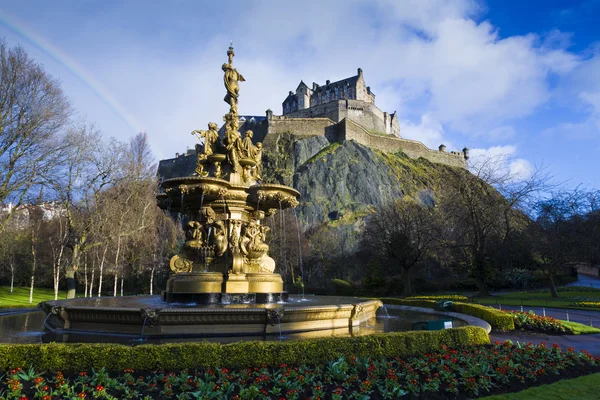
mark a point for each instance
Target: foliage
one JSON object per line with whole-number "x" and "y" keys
{"x": 533, "y": 322}
{"x": 341, "y": 286}
{"x": 591, "y": 304}
{"x": 73, "y": 357}
{"x": 465, "y": 371}
{"x": 323, "y": 152}
{"x": 451, "y": 297}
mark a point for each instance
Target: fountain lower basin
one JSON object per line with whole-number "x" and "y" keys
{"x": 150, "y": 317}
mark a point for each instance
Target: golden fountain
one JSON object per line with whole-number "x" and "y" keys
{"x": 224, "y": 283}
{"x": 225, "y": 257}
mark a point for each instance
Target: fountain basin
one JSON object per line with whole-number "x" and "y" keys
{"x": 137, "y": 315}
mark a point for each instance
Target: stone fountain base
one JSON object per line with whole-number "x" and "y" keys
{"x": 211, "y": 288}
{"x": 150, "y": 317}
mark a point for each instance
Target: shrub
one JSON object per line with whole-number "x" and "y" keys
{"x": 451, "y": 297}
{"x": 592, "y": 304}
{"x": 341, "y": 286}
{"x": 499, "y": 320}
{"x": 178, "y": 356}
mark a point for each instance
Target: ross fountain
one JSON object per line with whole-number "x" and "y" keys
{"x": 223, "y": 282}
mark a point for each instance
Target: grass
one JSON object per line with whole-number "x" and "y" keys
{"x": 584, "y": 387}
{"x": 567, "y": 299}
{"x": 19, "y": 298}
{"x": 579, "y": 329}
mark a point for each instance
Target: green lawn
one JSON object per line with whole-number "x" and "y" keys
{"x": 585, "y": 387}
{"x": 579, "y": 329}
{"x": 20, "y": 296}
{"x": 566, "y": 299}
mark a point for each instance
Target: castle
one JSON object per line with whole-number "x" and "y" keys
{"x": 349, "y": 98}
{"x": 342, "y": 110}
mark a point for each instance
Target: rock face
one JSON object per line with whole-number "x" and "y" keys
{"x": 346, "y": 181}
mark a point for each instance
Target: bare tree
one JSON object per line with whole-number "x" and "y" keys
{"x": 88, "y": 167}
{"x": 563, "y": 230}
{"x": 33, "y": 110}
{"x": 483, "y": 207}
{"x": 401, "y": 233}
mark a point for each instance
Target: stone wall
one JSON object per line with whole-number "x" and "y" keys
{"x": 349, "y": 130}
{"x": 364, "y": 113}
{"x": 301, "y": 127}
{"x": 181, "y": 165}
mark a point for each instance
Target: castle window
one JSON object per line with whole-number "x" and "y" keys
{"x": 327, "y": 96}
{"x": 337, "y": 93}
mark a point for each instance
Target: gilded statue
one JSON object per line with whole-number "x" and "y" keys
{"x": 231, "y": 79}
{"x": 247, "y": 148}
{"x": 211, "y": 136}
{"x": 258, "y": 159}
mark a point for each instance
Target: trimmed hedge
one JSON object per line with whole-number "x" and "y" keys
{"x": 178, "y": 356}
{"x": 451, "y": 297}
{"x": 499, "y": 320}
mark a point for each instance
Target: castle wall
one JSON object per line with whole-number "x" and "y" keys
{"x": 182, "y": 165}
{"x": 302, "y": 127}
{"x": 362, "y": 112}
{"x": 349, "y": 130}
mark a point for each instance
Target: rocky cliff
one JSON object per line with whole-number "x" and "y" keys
{"x": 342, "y": 182}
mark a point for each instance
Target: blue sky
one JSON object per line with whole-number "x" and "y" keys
{"x": 520, "y": 79}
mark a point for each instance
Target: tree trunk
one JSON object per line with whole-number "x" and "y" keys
{"x": 33, "y": 265}
{"x": 101, "y": 271}
{"x": 152, "y": 278}
{"x": 480, "y": 277}
{"x": 56, "y": 271}
{"x": 407, "y": 282}
{"x": 91, "y": 292}
{"x": 71, "y": 270}
{"x": 553, "y": 291}
{"x": 85, "y": 276}
{"x": 117, "y": 267}
{"x": 12, "y": 276}
{"x": 122, "y": 279}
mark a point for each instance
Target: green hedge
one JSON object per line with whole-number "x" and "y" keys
{"x": 499, "y": 320}
{"x": 451, "y": 297}
{"x": 78, "y": 357}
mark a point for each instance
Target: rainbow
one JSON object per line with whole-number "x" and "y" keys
{"x": 21, "y": 29}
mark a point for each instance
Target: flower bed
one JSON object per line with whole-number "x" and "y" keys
{"x": 448, "y": 373}
{"x": 533, "y": 322}
{"x": 591, "y": 304}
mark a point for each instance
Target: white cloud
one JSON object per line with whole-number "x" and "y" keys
{"x": 499, "y": 163}
{"x": 428, "y": 131}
